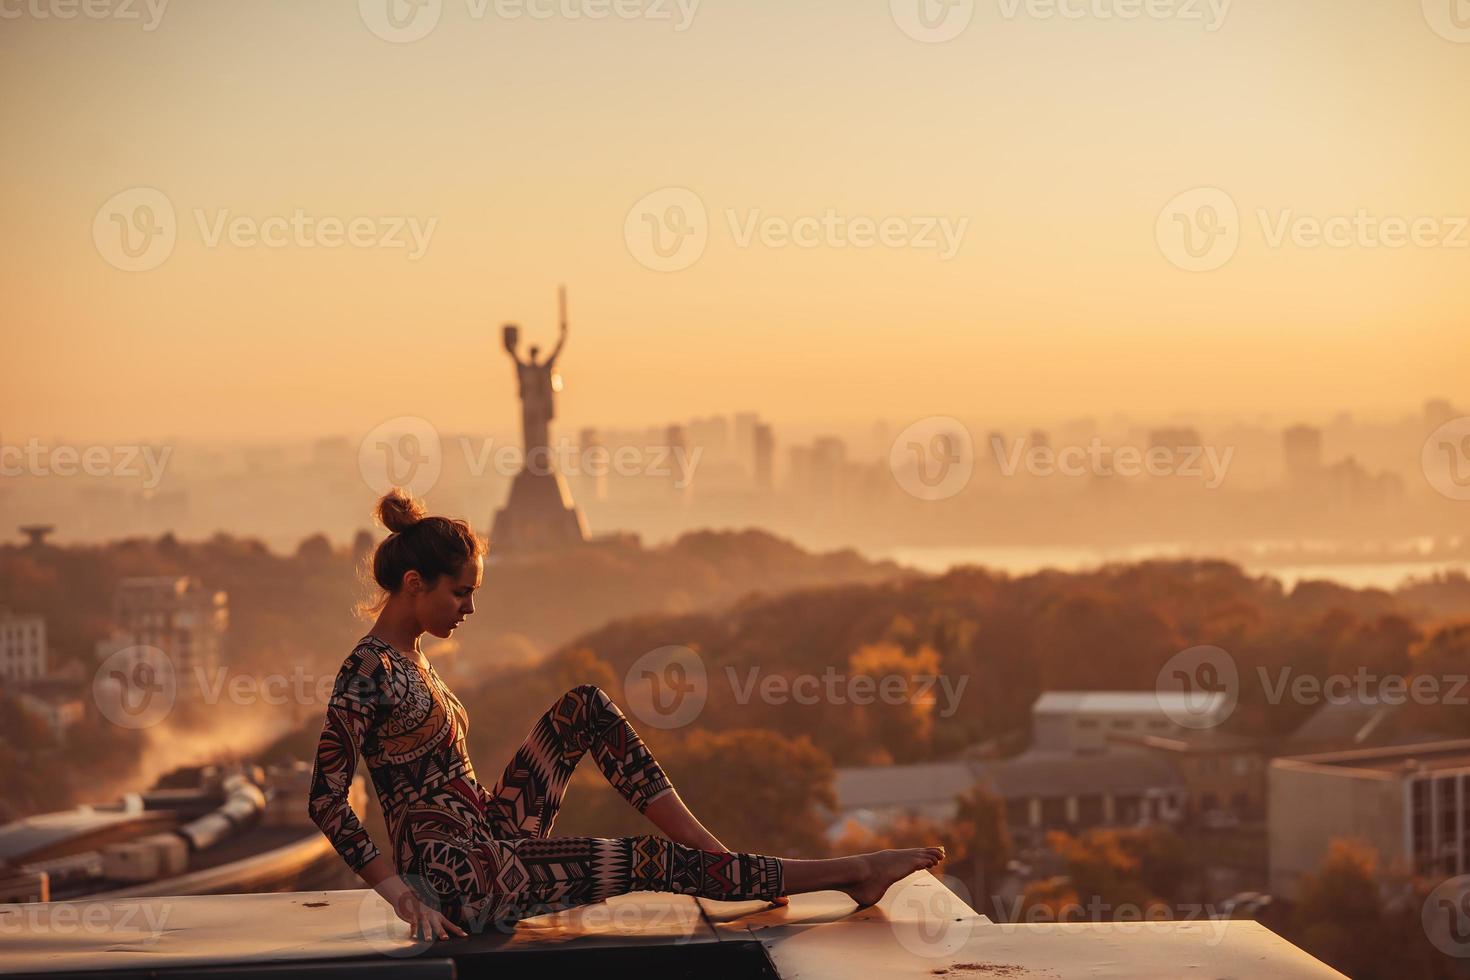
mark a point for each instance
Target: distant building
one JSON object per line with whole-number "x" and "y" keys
{"x": 1042, "y": 791}
{"x": 1082, "y": 721}
{"x": 765, "y": 457}
{"x": 1349, "y": 486}
{"x": 1411, "y": 803}
{"x": 1302, "y": 450}
{"x": 799, "y": 468}
{"x": 1047, "y": 790}
{"x": 681, "y": 478}
{"x": 1078, "y": 775}
{"x": 1224, "y": 776}
{"x": 1078, "y": 772}
{"x": 173, "y": 615}
{"x": 1354, "y": 723}
{"x": 745, "y": 426}
{"x": 1180, "y": 443}
{"x": 22, "y": 647}
{"x": 711, "y": 434}
{"x": 821, "y": 471}
{"x": 828, "y": 467}
{"x": 875, "y": 796}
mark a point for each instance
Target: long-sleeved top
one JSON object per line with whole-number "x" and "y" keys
{"x": 410, "y": 728}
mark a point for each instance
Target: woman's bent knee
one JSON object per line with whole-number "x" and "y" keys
{"x": 591, "y": 693}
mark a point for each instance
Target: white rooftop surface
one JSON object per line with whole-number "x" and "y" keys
{"x": 920, "y": 929}
{"x": 923, "y": 930}
{"x": 281, "y": 927}
{"x": 1126, "y": 702}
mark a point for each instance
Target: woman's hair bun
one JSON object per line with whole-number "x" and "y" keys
{"x": 399, "y": 510}
{"x": 437, "y": 547}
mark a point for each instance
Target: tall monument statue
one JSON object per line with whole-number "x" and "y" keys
{"x": 540, "y": 513}
{"x": 538, "y": 382}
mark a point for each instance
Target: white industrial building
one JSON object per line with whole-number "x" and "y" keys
{"x": 1083, "y": 721}
{"x": 22, "y": 647}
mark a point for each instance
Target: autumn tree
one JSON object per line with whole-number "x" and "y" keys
{"x": 755, "y": 790}
{"x": 1116, "y": 871}
{"x": 1339, "y": 911}
{"x": 981, "y": 846}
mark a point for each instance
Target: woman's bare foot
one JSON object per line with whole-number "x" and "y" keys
{"x": 881, "y": 869}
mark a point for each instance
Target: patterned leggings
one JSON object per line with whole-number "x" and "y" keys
{"x": 519, "y": 870}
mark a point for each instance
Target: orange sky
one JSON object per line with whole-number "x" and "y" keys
{"x": 524, "y": 143}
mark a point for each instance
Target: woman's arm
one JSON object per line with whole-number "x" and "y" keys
{"x": 357, "y": 696}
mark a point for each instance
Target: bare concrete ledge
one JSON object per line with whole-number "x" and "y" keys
{"x": 920, "y": 929}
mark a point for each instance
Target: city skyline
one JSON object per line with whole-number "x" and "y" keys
{"x": 501, "y": 423}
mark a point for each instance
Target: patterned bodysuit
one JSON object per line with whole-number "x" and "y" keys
{"x": 485, "y": 858}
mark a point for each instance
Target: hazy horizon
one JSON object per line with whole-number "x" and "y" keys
{"x": 502, "y": 423}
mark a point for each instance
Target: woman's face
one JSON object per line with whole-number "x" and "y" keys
{"x": 452, "y": 598}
